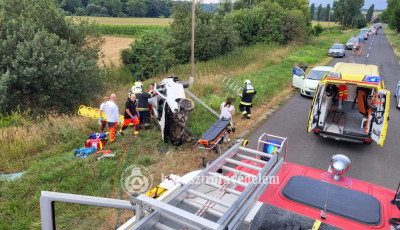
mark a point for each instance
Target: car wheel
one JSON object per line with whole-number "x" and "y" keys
{"x": 184, "y": 83}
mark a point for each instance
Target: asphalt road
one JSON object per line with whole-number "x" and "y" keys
{"x": 371, "y": 163}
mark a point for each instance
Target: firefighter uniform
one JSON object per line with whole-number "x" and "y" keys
{"x": 247, "y": 99}
{"x": 143, "y": 107}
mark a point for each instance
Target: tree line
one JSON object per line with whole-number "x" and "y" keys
{"x": 117, "y": 8}
{"x": 392, "y": 14}
{"x": 217, "y": 33}
{"x": 345, "y": 12}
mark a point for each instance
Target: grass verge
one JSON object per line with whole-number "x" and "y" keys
{"x": 394, "y": 40}
{"x": 52, "y": 167}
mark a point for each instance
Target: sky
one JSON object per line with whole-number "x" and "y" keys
{"x": 379, "y": 4}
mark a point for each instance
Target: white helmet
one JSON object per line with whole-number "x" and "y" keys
{"x": 138, "y": 84}
{"x": 247, "y": 82}
{"x": 133, "y": 88}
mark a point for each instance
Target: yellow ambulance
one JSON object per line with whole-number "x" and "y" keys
{"x": 351, "y": 104}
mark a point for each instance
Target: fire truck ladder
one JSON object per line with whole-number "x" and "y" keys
{"x": 192, "y": 208}
{"x": 232, "y": 84}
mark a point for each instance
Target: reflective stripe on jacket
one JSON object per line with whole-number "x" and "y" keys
{"x": 247, "y": 95}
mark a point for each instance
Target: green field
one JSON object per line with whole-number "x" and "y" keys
{"x": 126, "y": 21}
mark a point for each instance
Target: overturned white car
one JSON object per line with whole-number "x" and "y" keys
{"x": 171, "y": 108}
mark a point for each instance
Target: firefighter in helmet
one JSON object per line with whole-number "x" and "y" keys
{"x": 247, "y": 99}
{"x": 143, "y": 105}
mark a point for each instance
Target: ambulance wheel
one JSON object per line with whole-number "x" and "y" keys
{"x": 245, "y": 143}
{"x": 367, "y": 142}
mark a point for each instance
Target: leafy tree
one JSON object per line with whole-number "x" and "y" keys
{"x": 319, "y": 11}
{"x": 225, "y": 6}
{"x": 312, "y": 9}
{"x": 113, "y": 7}
{"x": 361, "y": 22}
{"x": 148, "y": 55}
{"x": 70, "y": 5}
{"x": 327, "y": 14}
{"x": 47, "y": 61}
{"x": 392, "y": 14}
{"x": 370, "y": 13}
{"x": 214, "y": 35}
{"x": 136, "y": 8}
{"x": 346, "y": 10}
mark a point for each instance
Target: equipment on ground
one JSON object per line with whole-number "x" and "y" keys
{"x": 232, "y": 84}
{"x": 213, "y": 137}
{"x": 90, "y": 112}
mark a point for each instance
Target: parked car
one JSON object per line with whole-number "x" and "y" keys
{"x": 308, "y": 84}
{"x": 364, "y": 31}
{"x": 351, "y": 41}
{"x": 337, "y": 50}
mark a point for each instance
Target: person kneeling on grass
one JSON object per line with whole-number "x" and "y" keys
{"x": 131, "y": 115}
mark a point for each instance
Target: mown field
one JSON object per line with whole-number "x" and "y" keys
{"x": 125, "y": 21}
{"x": 324, "y": 24}
{"x": 48, "y": 156}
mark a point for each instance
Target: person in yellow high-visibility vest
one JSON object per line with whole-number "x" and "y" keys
{"x": 342, "y": 95}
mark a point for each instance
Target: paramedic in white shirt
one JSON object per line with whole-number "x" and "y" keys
{"x": 112, "y": 112}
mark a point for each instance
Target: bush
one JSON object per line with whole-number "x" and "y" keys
{"x": 47, "y": 63}
{"x": 269, "y": 22}
{"x": 148, "y": 55}
{"x": 317, "y": 30}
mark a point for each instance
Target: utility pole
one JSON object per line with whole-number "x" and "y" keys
{"x": 191, "y": 79}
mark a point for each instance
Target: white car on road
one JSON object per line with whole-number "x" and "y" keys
{"x": 308, "y": 84}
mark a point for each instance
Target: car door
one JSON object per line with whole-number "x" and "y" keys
{"x": 380, "y": 119}
{"x": 313, "y": 116}
{"x": 298, "y": 77}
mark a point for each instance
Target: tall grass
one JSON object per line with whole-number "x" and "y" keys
{"x": 18, "y": 144}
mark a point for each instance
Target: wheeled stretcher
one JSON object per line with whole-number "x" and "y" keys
{"x": 213, "y": 137}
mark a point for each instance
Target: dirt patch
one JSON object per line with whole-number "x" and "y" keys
{"x": 112, "y": 48}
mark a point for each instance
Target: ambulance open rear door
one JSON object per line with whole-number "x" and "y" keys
{"x": 380, "y": 116}
{"x": 315, "y": 108}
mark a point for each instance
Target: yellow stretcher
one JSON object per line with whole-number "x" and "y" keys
{"x": 94, "y": 113}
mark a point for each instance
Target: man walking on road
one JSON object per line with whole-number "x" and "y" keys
{"x": 111, "y": 110}
{"x": 247, "y": 99}
{"x": 131, "y": 115}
